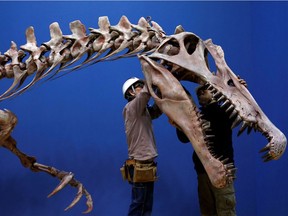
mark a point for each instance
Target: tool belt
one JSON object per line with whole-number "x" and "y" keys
{"x": 139, "y": 171}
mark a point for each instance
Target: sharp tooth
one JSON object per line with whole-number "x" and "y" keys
{"x": 229, "y": 166}
{"x": 206, "y": 127}
{"x": 224, "y": 161}
{"x": 243, "y": 127}
{"x": 219, "y": 158}
{"x": 208, "y": 137}
{"x": 205, "y": 121}
{"x": 210, "y": 87}
{"x": 227, "y": 102}
{"x": 231, "y": 107}
{"x": 211, "y": 150}
{"x": 205, "y": 124}
{"x": 221, "y": 98}
{"x": 214, "y": 91}
{"x": 233, "y": 114}
{"x": 207, "y": 84}
{"x": 266, "y": 148}
{"x": 236, "y": 122}
{"x": 208, "y": 130}
{"x": 200, "y": 116}
{"x": 249, "y": 130}
{"x": 267, "y": 157}
{"x": 233, "y": 170}
{"x": 218, "y": 94}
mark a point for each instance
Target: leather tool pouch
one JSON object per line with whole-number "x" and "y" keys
{"x": 145, "y": 172}
{"x": 134, "y": 171}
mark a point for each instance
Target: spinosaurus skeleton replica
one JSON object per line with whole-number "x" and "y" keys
{"x": 166, "y": 60}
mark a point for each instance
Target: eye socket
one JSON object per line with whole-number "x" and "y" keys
{"x": 191, "y": 42}
{"x": 231, "y": 83}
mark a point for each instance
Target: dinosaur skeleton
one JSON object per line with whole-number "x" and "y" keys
{"x": 166, "y": 60}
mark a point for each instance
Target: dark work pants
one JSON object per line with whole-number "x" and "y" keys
{"x": 141, "y": 198}
{"x": 215, "y": 201}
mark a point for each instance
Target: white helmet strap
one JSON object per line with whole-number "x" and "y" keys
{"x": 133, "y": 89}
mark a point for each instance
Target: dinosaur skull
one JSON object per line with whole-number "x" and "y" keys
{"x": 184, "y": 56}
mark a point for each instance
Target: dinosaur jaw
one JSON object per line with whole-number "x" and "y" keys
{"x": 255, "y": 119}
{"x": 181, "y": 109}
{"x": 277, "y": 141}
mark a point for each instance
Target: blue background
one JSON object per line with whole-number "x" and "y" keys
{"x": 75, "y": 123}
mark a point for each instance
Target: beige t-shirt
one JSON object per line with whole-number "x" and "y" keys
{"x": 138, "y": 127}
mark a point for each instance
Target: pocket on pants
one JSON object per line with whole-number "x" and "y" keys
{"x": 226, "y": 204}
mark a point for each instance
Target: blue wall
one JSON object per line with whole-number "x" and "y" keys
{"x": 75, "y": 123}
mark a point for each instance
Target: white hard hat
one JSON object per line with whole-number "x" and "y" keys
{"x": 128, "y": 83}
